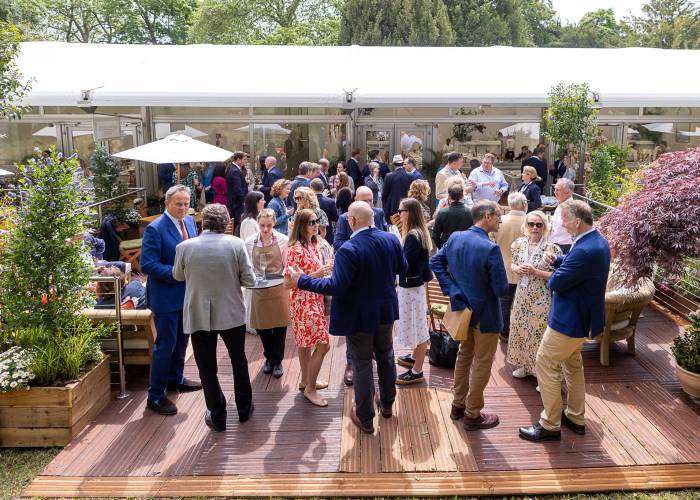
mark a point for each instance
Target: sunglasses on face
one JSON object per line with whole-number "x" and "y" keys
{"x": 535, "y": 224}
{"x": 297, "y": 198}
{"x": 401, "y": 210}
{"x": 312, "y": 222}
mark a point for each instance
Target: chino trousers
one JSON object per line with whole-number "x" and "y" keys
{"x": 559, "y": 353}
{"x": 204, "y": 347}
{"x": 273, "y": 341}
{"x": 363, "y": 345}
{"x": 168, "y": 363}
{"x": 473, "y": 370}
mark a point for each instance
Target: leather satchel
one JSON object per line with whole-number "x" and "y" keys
{"x": 457, "y": 322}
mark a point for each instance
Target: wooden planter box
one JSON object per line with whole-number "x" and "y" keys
{"x": 52, "y": 416}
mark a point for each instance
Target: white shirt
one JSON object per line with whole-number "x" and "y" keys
{"x": 177, "y": 224}
{"x": 578, "y": 238}
{"x": 355, "y": 233}
{"x": 560, "y": 236}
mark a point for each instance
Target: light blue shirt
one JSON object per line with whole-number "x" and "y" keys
{"x": 482, "y": 192}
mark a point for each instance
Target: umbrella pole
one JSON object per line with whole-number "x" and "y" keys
{"x": 178, "y": 172}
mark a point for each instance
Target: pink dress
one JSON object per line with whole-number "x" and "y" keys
{"x": 218, "y": 184}
{"x": 306, "y": 312}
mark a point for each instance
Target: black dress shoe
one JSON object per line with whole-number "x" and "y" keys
{"x": 537, "y": 433}
{"x": 267, "y": 367}
{"x": 574, "y": 427}
{"x": 347, "y": 375}
{"x": 246, "y": 417}
{"x": 456, "y": 413}
{"x": 210, "y": 423}
{"x": 162, "y": 407}
{"x": 186, "y": 385}
{"x": 278, "y": 371}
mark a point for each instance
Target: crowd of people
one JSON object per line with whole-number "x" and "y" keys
{"x": 349, "y": 255}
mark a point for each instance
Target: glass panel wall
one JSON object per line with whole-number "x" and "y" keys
{"x": 648, "y": 141}
{"x": 18, "y": 140}
{"x": 199, "y": 111}
{"x": 508, "y": 141}
{"x": 406, "y": 112}
{"x": 496, "y": 110}
{"x": 276, "y": 111}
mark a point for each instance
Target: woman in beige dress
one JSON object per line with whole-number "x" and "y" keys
{"x": 269, "y": 312}
{"x": 528, "y": 318}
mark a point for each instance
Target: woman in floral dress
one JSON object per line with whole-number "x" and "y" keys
{"x": 189, "y": 178}
{"x": 528, "y": 318}
{"x": 306, "y": 310}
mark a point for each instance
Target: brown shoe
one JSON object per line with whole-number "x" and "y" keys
{"x": 386, "y": 411}
{"x": 456, "y": 413}
{"x": 483, "y": 421}
{"x": 347, "y": 376}
{"x": 367, "y": 429}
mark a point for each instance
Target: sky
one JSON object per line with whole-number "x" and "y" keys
{"x": 573, "y": 10}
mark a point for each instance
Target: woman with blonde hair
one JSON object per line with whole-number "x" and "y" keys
{"x": 530, "y": 189}
{"x": 269, "y": 310}
{"x": 306, "y": 309}
{"x": 412, "y": 326}
{"x": 420, "y": 190}
{"x": 304, "y": 197}
{"x": 279, "y": 192}
{"x": 528, "y": 317}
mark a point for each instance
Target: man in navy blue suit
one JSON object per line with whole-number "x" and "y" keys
{"x": 396, "y": 185}
{"x": 165, "y": 298}
{"x": 578, "y": 307}
{"x": 470, "y": 270}
{"x": 354, "y": 170}
{"x": 326, "y": 204}
{"x": 237, "y": 186}
{"x": 364, "y": 308}
{"x": 272, "y": 174}
{"x": 343, "y": 230}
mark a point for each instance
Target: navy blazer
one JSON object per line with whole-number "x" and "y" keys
{"x": 354, "y": 172}
{"x": 343, "y": 229}
{"x": 578, "y": 286}
{"x": 269, "y": 178}
{"x": 328, "y": 206}
{"x": 237, "y": 189}
{"x": 470, "y": 270}
{"x": 533, "y": 193}
{"x": 417, "y": 270}
{"x": 362, "y": 283}
{"x": 163, "y": 293}
{"x": 395, "y": 189}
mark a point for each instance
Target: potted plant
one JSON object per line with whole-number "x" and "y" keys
{"x": 686, "y": 350}
{"x": 54, "y": 377}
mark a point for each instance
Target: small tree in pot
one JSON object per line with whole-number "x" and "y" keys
{"x": 686, "y": 350}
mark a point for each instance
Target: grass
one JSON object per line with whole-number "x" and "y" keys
{"x": 18, "y": 466}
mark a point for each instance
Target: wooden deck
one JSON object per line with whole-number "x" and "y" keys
{"x": 643, "y": 433}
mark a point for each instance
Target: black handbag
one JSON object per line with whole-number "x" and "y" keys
{"x": 443, "y": 350}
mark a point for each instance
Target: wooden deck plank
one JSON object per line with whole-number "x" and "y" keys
{"x": 437, "y": 431}
{"x": 350, "y": 438}
{"x": 390, "y": 484}
{"x": 418, "y": 429}
{"x": 462, "y": 455}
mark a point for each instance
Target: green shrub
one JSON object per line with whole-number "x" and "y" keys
{"x": 686, "y": 347}
{"x": 610, "y": 176}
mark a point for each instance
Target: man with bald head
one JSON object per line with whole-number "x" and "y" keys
{"x": 342, "y": 228}
{"x": 272, "y": 174}
{"x": 364, "y": 308}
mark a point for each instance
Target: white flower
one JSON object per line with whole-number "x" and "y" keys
{"x": 13, "y": 384}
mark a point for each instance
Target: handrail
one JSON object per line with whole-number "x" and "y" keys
{"x": 123, "y": 393}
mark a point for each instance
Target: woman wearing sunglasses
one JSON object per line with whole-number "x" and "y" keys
{"x": 528, "y": 317}
{"x": 306, "y": 311}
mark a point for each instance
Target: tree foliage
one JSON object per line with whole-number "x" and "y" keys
{"x": 44, "y": 274}
{"x": 13, "y": 86}
{"x": 396, "y": 23}
{"x": 268, "y": 22}
{"x": 596, "y": 29}
{"x": 667, "y": 24}
{"x": 660, "y": 222}
{"x": 610, "y": 176}
{"x": 570, "y": 118}
{"x": 106, "y": 180}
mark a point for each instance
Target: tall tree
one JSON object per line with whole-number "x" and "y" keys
{"x": 598, "y": 28}
{"x": 13, "y": 86}
{"x": 396, "y": 23}
{"x": 481, "y": 23}
{"x": 667, "y": 24}
{"x": 278, "y": 22}
{"x": 543, "y": 25}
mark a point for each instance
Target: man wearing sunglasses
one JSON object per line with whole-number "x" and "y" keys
{"x": 364, "y": 308}
{"x": 578, "y": 307}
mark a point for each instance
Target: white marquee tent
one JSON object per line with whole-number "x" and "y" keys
{"x": 219, "y": 75}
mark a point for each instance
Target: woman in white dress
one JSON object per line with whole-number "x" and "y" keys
{"x": 412, "y": 325}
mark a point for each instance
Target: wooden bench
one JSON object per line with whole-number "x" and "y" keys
{"x": 130, "y": 252}
{"x": 437, "y": 304}
{"x": 139, "y": 333}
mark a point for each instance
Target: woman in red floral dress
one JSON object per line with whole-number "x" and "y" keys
{"x": 306, "y": 311}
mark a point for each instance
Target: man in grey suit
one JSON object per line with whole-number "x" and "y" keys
{"x": 215, "y": 266}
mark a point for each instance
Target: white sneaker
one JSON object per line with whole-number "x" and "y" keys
{"x": 537, "y": 388}
{"x": 521, "y": 372}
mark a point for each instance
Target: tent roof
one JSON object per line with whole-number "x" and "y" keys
{"x": 234, "y": 75}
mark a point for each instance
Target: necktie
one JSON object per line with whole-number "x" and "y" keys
{"x": 183, "y": 230}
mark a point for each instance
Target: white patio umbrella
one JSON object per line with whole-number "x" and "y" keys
{"x": 528, "y": 129}
{"x": 176, "y": 148}
{"x": 50, "y": 131}
{"x": 5, "y": 173}
{"x": 267, "y": 128}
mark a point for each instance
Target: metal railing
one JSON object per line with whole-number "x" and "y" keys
{"x": 116, "y": 282}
